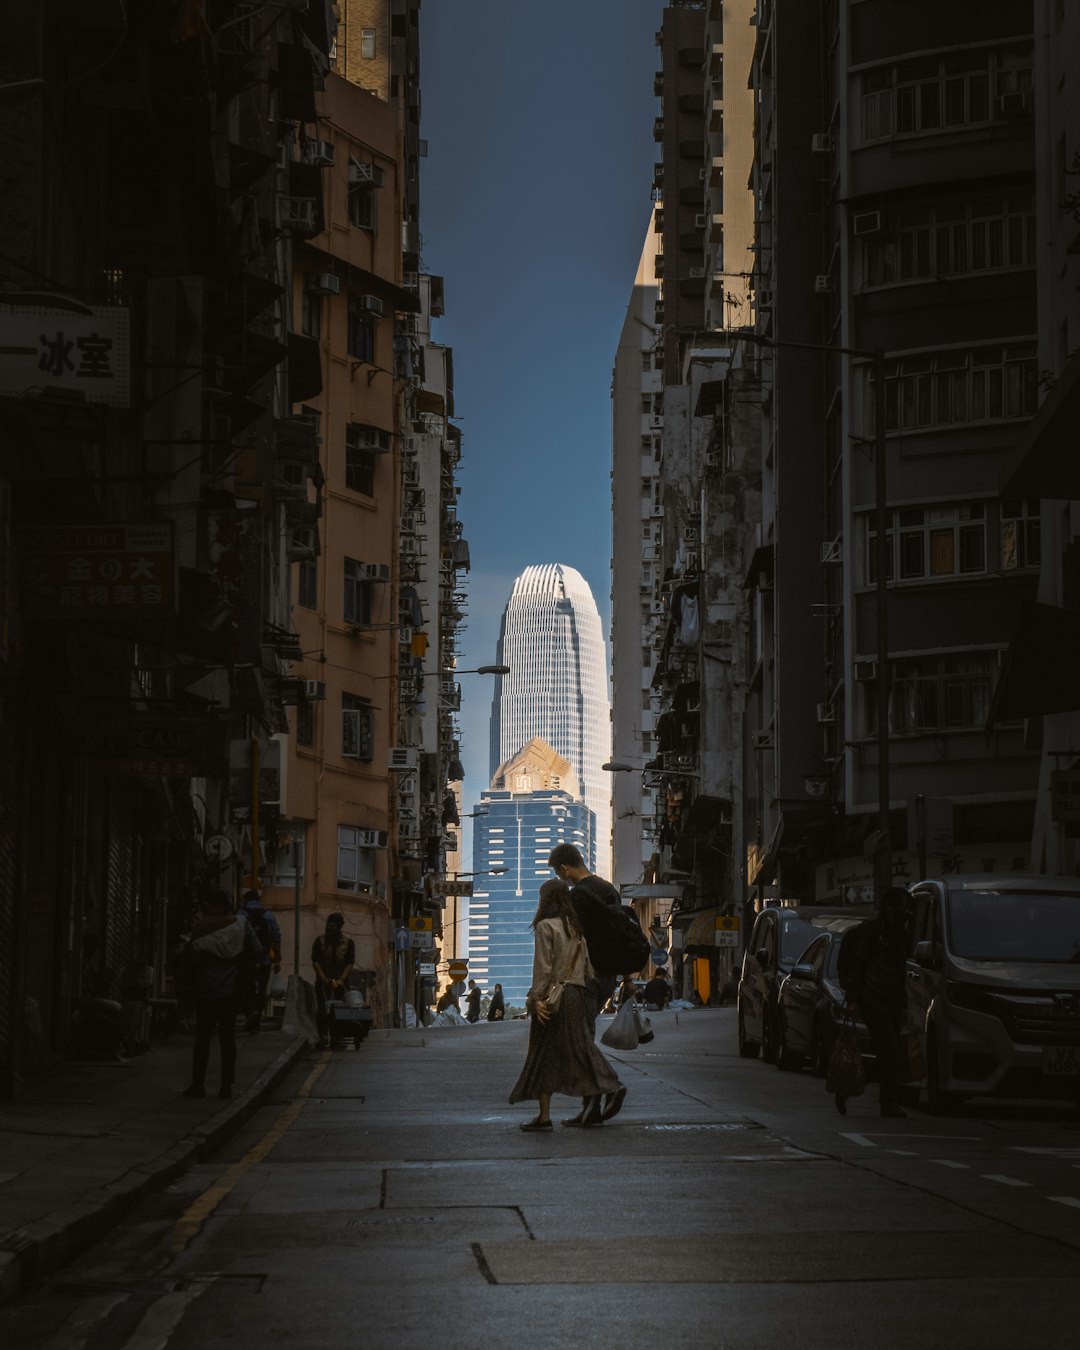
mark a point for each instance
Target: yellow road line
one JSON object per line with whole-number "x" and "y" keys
{"x": 191, "y": 1221}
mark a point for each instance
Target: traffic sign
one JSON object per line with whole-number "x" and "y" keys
{"x": 727, "y": 930}
{"x": 420, "y": 925}
{"x": 659, "y": 956}
{"x": 427, "y": 967}
{"x": 458, "y": 968}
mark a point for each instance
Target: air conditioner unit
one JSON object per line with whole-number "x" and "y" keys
{"x": 402, "y": 757}
{"x": 323, "y": 283}
{"x": 296, "y": 213}
{"x": 762, "y": 740}
{"x": 695, "y": 271}
{"x": 408, "y": 524}
{"x": 411, "y": 477}
{"x": 372, "y": 838}
{"x": 410, "y": 280}
{"x": 406, "y": 787}
{"x": 303, "y": 544}
{"x": 409, "y": 829}
{"x": 1016, "y": 103}
{"x": 359, "y": 436}
{"x": 701, "y": 222}
{"x": 866, "y": 670}
{"x": 319, "y": 153}
{"x": 371, "y": 304}
{"x": 690, "y": 538}
{"x": 823, "y": 284}
{"x": 821, "y": 143}
{"x": 368, "y": 175}
{"x": 410, "y": 545}
{"x": 832, "y": 550}
{"x": 703, "y": 175}
{"x": 826, "y": 713}
{"x": 314, "y": 690}
{"x": 375, "y": 572}
{"x": 867, "y": 222}
{"x": 405, "y": 637}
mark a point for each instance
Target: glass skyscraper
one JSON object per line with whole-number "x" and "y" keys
{"x": 516, "y": 831}
{"x": 557, "y": 688}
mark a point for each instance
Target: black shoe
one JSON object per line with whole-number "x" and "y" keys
{"x": 195, "y": 1090}
{"x": 841, "y": 1104}
{"x": 536, "y": 1126}
{"x": 613, "y": 1104}
{"x": 575, "y": 1120}
{"x": 593, "y": 1116}
{"x": 893, "y": 1111}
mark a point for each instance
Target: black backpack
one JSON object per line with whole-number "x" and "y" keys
{"x": 616, "y": 944}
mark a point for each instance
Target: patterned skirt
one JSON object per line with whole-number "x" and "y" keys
{"x": 562, "y": 1055}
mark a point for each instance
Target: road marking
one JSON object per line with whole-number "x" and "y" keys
{"x": 197, "y": 1213}
{"x": 1064, "y": 1200}
{"x": 163, "y": 1316}
{"x": 947, "y": 1162}
{"x": 76, "y": 1331}
{"x": 1049, "y": 1152}
{"x": 1005, "y": 1181}
{"x": 865, "y": 1139}
{"x": 903, "y": 1152}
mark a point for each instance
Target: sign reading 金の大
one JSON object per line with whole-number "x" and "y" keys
{"x": 98, "y": 571}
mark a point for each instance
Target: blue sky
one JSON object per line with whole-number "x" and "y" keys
{"x": 534, "y": 207}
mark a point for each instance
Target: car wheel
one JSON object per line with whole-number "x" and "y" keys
{"x": 940, "y": 1102}
{"x": 785, "y": 1058}
{"x": 747, "y": 1049}
{"x": 819, "y": 1053}
{"x": 769, "y": 1048}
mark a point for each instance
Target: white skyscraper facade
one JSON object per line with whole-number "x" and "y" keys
{"x": 557, "y": 688}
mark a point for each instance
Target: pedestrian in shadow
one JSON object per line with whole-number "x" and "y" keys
{"x": 562, "y": 1055}
{"x": 497, "y": 1007}
{"x": 222, "y": 954}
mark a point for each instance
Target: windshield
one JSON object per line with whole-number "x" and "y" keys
{"x": 1013, "y": 926}
{"x": 795, "y": 936}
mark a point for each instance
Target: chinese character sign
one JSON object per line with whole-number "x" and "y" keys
{"x": 98, "y": 571}
{"x": 78, "y": 351}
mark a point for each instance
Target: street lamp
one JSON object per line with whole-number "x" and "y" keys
{"x": 883, "y": 849}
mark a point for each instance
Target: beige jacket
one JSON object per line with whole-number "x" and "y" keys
{"x": 557, "y": 956}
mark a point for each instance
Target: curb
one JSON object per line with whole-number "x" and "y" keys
{"x": 39, "y": 1249}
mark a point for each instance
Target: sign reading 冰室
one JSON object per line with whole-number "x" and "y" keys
{"x": 98, "y": 571}
{"x": 82, "y": 351}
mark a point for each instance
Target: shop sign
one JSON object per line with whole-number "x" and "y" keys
{"x": 1064, "y": 795}
{"x": 84, "y": 351}
{"x": 98, "y": 571}
{"x": 443, "y": 888}
{"x": 170, "y": 747}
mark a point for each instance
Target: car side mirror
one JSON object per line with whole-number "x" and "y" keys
{"x": 928, "y": 955}
{"x": 804, "y": 971}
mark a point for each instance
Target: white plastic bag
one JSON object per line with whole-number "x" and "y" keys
{"x": 623, "y": 1032}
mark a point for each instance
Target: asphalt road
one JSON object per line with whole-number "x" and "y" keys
{"x": 386, "y": 1198}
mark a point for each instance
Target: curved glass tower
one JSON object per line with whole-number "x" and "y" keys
{"x": 557, "y": 688}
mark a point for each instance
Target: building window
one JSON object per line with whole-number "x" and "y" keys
{"x": 355, "y": 864}
{"x": 311, "y": 313}
{"x": 358, "y": 594}
{"x": 931, "y": 542}
{"x": 1020, "y": 537}
{"x": 362, "y": 206}
{"x": 955, "y": 388}
{"x": 979, "y": 235}
{"x": 360, "y": 336}
{"x": 939, "y": 93}
{"x": 357, "y": 728}
{"x": 307, "y": 583}
{"x": 305, "y": 723}
{"x": 936, "y": 693}
{"x": 360, "y": 469}
{"x": 280, "y": 867}
{"x": 367, "y": 44}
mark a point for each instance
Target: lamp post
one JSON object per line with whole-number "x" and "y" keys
{"x": 882, "y": 844}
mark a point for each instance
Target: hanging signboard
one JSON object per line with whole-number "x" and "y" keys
{"x": 81, "y": 351}
{"x": 98, "y": 571}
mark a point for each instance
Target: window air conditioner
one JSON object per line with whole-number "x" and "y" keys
{"x": 375, "y": 572}
{"x": 826, "y": 713}
{"x": 823, "y": 284}
{"x": 695, "y": 272}
{"x": 1015, "y": 103}
{"x": 314, "y": 690}
{"x": 359, "y": 436}
{"x": 323, "y": 283}
{"x": 867, "y": 222}
{"x": 832, "y": 550}
{"x": 821, "y": 143}
{"x": 371, "y": 304}
{"x": 320, "y": 153}
{"x": 366, "y": 175}
{"x": 409, "y": 829}
{"x": 701, "y": 222}
{"x": 372, "y": 838}
{"x": 866, "y": 670}
{"x": 402, "y": 757}
{"x": 296, "y": 213}
{"x": 762, "y": 740}
{"x": 408, "y": 524}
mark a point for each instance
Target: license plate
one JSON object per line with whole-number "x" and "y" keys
{"x": 1061, "y": 1061}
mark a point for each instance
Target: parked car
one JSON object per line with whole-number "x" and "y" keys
{"x": 810, "y": 1002}
{"x": 994, "y": 986}
{"x": 779, "y": 937}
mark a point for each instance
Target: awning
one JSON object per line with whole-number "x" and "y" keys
{"x": 1042, "y": 665}
{"x": 701, "y": 930}
{"x": 1049, "y": 460}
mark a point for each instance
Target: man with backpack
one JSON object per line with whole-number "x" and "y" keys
{"x": 613, "y": 937}
{"x": 268, "y": 931}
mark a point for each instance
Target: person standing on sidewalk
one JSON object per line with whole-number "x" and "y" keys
{"x": 268, "y": 931}
{"x": 472, "y": 1002}
{"x": 872, "y": 970}
{"x": 333, "y": 956}
{"x": 562, "y": 1054}
{"x": 497, "y": 1007}
{"x": 588, "y": 891}
{"x": 223, "y": 951}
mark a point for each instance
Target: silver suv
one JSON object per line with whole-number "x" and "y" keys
{"x": 993, "y": 986}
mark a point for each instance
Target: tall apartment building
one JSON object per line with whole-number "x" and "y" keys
{"x": 556, "y": 689}
{"x": 534, "y": 803}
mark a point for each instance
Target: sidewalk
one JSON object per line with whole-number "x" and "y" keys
{"x": 80, "y": 1147}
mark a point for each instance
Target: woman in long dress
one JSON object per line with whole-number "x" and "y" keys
{"x": 562, "y": 1055}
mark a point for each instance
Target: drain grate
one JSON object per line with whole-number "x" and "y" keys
{"x": 382, "y": 1222}
{"x": 710, "y": 1125}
